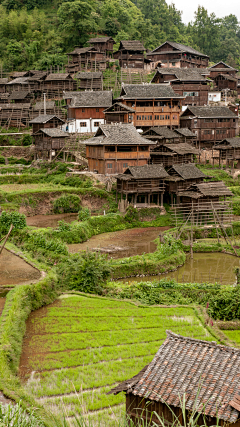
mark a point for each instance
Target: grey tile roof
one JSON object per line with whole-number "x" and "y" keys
{"x": 58, "y": 76}
{"x": 19, "y": 94}
{"x": 16, "y": 106}
{"x": 44, "y": 118}
{"x": 226, "y": 77}
{"x": 211, "y": 189}
{"x": 54, "y": 133}
{"x": 187, "y": 171}
{"x": 118, "y": 133}
{"x": 134, "y": 45}
{"x": 19, "y": 80}
{"x": 39, "y": 75}
{"x": 92, "y": 99}
{"x": 148, "y": 91}
{"x": 233, "y": 142}
{"x": 40, "y": 105}
{"x": 218, "y": 65}
{"x": 208, "y": 374}
{"x": 163, "y": 131}
{"x": 181, "y": 149}
{"x": 89, "y": 75}
{"x": 20, "y": 74}
{"x": 125, "y": 107}
{"x": 182, "y": 48}
{"x": 209, "y": 112}
{"x": 3, "y": 81}
{"x": 100, "y": 39}
{"x": 80, "y": 50}
{"x": 182, "y": 74}
{"x": 185, "y": 132}
{"x": 146, "y": 171}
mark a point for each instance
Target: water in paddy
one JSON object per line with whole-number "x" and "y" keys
{"x": 204, "y": 267}
{"x": 15, "y": 271}
{"x": 45, "y": 221}
{"x": 121, "y": 244}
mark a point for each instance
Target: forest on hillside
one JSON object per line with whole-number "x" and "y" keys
{"x": 36, "y": 34}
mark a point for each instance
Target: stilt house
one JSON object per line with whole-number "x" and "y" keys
{"x": 203, "y": 373}
{"x": 187, "y": 82}
{"x": 103, "y": 44}
{"x": 116, "y": 147}
{"x": 229, "y": 151}
{"x": 45, "y": 122}
{"x": 154, "y": 104}
{"x": 89, "y": 80}
{"x": 162, "y": 135}
{"x": 186, "y": 135}
{"x": 222, "y": 68}
{"x": 20, "y": 96}
{"x": 130, "y": 54}
{"x": 199, "y": 195}
{"x": 224, "y": 81}
{"x": 86, "y": 58}
{"x": 49, "y": 140}
{"x": 143, "y": 186}
{"x": 20, "y": 83}
{"x": 56, "y": 83}
{"x": 210, "y": 124}
{"x": 3, "y": 84}
{"x": 119, "y": 113}
{"x": 171, "y": 54}
{"x": 171, "y": 154}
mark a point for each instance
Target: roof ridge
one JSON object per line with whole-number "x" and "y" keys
{"x": 171, "y": 334}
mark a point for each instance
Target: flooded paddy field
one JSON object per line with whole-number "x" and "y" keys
{"x": 204, "y": 267}
{"x": 45, "y": 221}
{"x": 76, "y": 349}
{"x": 121, "y": 244}
{"x": 15, "y": 271}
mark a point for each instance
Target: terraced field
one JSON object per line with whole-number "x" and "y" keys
{"x": 77, "y": 348}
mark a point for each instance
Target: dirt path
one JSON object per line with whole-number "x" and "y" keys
{"x": 15, "y": 271}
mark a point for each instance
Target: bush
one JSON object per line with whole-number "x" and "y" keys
{"x": 27, "y": 140}
{"x": 67, "y": 203}
{"x": 2, "y": 160}
{"x": 15, "y": 218}
{"x": 84, "y": 214}
{"x": 132, "y": 215}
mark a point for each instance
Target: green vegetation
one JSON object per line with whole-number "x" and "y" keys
{"x": 65, "y": 204}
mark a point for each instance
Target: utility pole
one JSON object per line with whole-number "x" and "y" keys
{"x": 44, "y": 103}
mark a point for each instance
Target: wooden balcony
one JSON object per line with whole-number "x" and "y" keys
{"x": 155, "y": 110}
{"x": 128, "y": 155}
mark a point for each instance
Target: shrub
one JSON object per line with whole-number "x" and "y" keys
{"x": 67, "y": 203}
{"x": 15, "y": 218}
{"x": 2, "y": 160}
{"x": 27, "y": 140}
{"x": 132, "y": 215}
{"x": 84, "y": 214}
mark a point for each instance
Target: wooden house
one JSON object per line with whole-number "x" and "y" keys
{"x": 202, "y": 373}
{"x": 210, "y": 124}
{"x": 19, "y": 83}
{"x": 116, "y": 147}
{"x": 130, "y": 54}
{"x": 224, "y": 81}
{"x": 119, "y": 113}
{"x": 181, "y": 176}
{"x": 186, "y": 135}
{"x": 171, "y": 54}
{"x": 45, "y": 121}
{"x": 200, "y": 195}
{"x": 36, "y": 82}
{"x": 86, "y": 58}
{"x": 154, "y": 104}
{"x": 17, "y": 74}
{"x": 143, "y": 186}
{"x": 103, "y": 44}
{"x": 51, "y": 108}
{"x": 170, "y": 154}
{"x": 222, "y": 68}
{"x": 229, "y": 151}
{"x": 89, "y": 80}
{"x": 3, "y": 83}
{"x": 4, "y": 97}
{"x": 15, "y": 115}
{"x": 49, "y": 140}
{"x": 86, "y": 110}
{"x": 187, "y": 82}
{"x": 20, "y": 96}
{"x": 56, "y": 83}
{"x": 161, "y": 135}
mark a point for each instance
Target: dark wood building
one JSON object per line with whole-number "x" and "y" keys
{"x": 224, "y": 81}
{"x": 203, "y": 373}
{"x": 15, "y": 115}
{"x": 229, "y": 151}
{"x": 222, "y": 68}
{"x": 116, "y": 147}
{"x": 181, "y": 176}
{"x": 186, "y": 135}
{"x": 45, "y": 122}
{"x": 171, "y": 54}
{"x": 20, "y": 96}
{"x": 161, "y": 135}
{"x": 89, "y": 80}
{"x": 154, "y": 104}
{"x": 200, "y": 195}
{"x": 19, "y": 83}
{"x": 48, "y": 140}
{"x": 130, "y": 54}
{"x": 143, "y": 186}
{"x": 86, "y": 110}
{"x": 210, "y": 124}
{"x": 86, "y": 58}
{"x": 119, "y": 113}
{"x": 103, "y": 44}
{"x": 3, "y": 84}
{"x": 170, "y": 154}
{"x": 56, "y": 83}
{"x": 187, "y": 82}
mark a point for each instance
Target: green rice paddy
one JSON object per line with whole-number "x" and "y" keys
{"x": 78, "y": 348}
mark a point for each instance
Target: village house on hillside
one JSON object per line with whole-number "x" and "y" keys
{"x": 187, "y": 82}
{"x": 86, "y": 110}
{"x": 154, "y": 104}
{"x": 224, "y": 76}
{"x": 130, "y": 54}
{"x": 171, "y": 154}
{"x": 86, "y": 59}
{"x": 48, "y": 141}
{"x": 143, "y": 186}
{"x": 164, "y": 135}
{"x": 181, "y": 176}
{"x": 229, "y": 151}
{"x": 199, "y": 195}
{"x": 116, "y": 147}
{"x": 56, "y": 83}
{"x": 210, "y": 124}
{"x": 103, "y": 44}
{"x": 206, "y": 373}
{"x": 171, "y": 54}
{"x": 119, "y": 113}
{"x": 45, "y": 121}
{"x": 89, "y": 80}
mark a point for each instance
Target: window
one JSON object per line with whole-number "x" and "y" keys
{"x": 156, "y": 117}
{"x": 83, "y": 110}
{"x": 195, "y": 121}
{"x": 190, "y": 93}
{"x": 97, "y": 110}
{"x": 96, "y": 124}
{"x": 109, "y": 165}
{"x": 167, "y": 117}
{"x": 142, "y": 117}
{"x": 83, "y": 124}
{"x": 161, "y": 117}
{"x": 125, "y": 165}
{"x": 174, "y": 117}
{"x": 208, "y": 120}
{"x": 173, "y": 64}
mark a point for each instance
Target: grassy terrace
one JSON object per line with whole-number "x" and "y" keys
{"x": 79, "y": 347}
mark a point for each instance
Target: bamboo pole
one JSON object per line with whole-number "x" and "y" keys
{"x": 6, "y": 238}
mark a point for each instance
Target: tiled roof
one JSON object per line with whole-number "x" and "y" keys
{"x": 100, "y": 39}
{"x": 216, "y": 67}
{"x": 148, "y": 91}
{"x": 39, "y": 75}
{"x": 183, "y": 74}
{"x": 185, "y": 132}
{"x": 209, "y": 112}
{"x": 16, "y": 106}
{"x": 210, "y": 189}
{"x": 181, "y": 149}
{"x": 206, "y": 373}
{"x": 146, "y": 171}
{"x": 233, "y": 142}
{"x": 89, "y": 75}
{"x": 163, "y": 131}
{"x": 125, "y": 107}
{"x": 80, "y": 50}
{"x": 58, "y": 76}
{"x": 118, "y": 133}
{"x": 19, "y": 94}
{"x": 54, "y": 132}
{"x": 226, "y": 77}
{"x": 188, "y": 170}
{"x": 44, "y": 118}
{"x": 131, "y": 45}
{"x": 40, "y": 105}
{"x": 19, "y": 80}
{"x": 3, "y": 81}
{"x": 20, "y": 74}
{"x": 182, "y": 48}
{"x": 92, "y": 99}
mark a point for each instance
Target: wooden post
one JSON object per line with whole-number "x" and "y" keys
{"x": 191, "y": 244}
{"x": 6, "y": 238}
